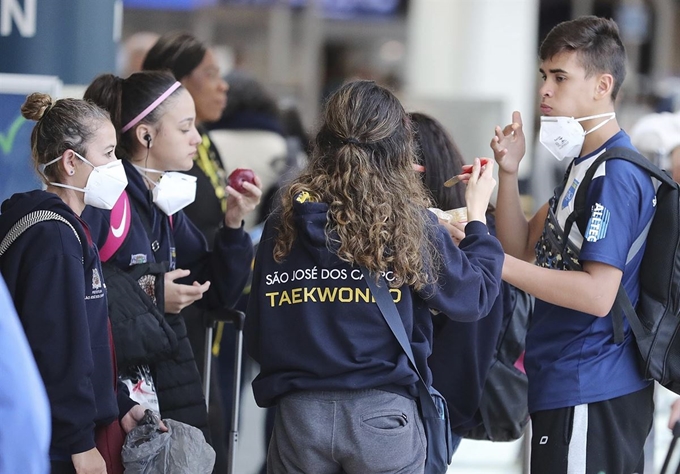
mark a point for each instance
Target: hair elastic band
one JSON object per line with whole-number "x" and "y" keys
{"x": 151, "y": 107}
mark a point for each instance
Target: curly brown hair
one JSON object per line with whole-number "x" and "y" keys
{"x": 362, "y": 167}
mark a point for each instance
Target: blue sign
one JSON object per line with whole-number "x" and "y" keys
{"x": 17, "y": 173}
{"x": 72, "y": 39}
{"x": 169, "y": 4}
{"x": 16, "y": 170}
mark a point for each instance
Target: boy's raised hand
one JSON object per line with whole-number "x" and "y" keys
{"x": 509, "y": 145}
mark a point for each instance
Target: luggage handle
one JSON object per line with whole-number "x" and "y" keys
{"x": 237, "y": 318}
{"x": 225, "y": 315}
{"x": 669, "y": 455}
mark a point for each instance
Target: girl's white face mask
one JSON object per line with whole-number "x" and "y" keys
{"x": 104, "y": 185}
{"x": 173, "y": 192}
{"x": 564, "y": 136}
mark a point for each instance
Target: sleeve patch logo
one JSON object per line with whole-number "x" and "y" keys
{"x": 96, "y": 279}
{"x": 598, "y": 223}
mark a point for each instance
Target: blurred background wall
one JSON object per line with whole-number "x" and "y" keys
{"x": 468, "y": 62}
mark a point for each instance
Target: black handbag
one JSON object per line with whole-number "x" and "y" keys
{"x": 433, "y": 409}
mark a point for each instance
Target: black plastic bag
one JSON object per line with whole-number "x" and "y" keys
{"x": 180, "y": 450}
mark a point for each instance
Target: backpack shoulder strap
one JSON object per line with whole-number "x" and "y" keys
{"x": 580, "y": 214}
{"x": 391, "y": 315}
{"x": 29, "y": 220}
{"x": 622, "y": 304}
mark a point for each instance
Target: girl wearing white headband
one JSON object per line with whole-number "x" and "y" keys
{"x": 155, "y": 116}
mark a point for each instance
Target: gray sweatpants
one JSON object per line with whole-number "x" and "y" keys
{"x": 352, "y": 432}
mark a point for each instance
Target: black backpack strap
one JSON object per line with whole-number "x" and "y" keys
{"x": 391, "y": 314}
{"x": 557, "y": 192}
{"x": 580, "y": 214}
{"x": 29, "y": 220}
{"x": 622, "y": 304}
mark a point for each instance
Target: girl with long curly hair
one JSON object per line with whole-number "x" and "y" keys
{"x": 344, "y": 390}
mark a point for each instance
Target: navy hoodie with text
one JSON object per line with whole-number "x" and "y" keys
{"x": 311, "y": 324}
{"x": 55, "y": 283}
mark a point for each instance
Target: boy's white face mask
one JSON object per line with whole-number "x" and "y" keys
{"x": 564, "y": 136}
{"x": 173, "y": 192}
{"x": 104, "y": 185}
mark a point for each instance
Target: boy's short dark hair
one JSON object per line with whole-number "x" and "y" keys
{"x": 597, "y": 42}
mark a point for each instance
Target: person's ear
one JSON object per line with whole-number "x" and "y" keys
{"x": 144, "y": 136}
{"x": 605, "y": 84}
{"x": 68, "y": 162}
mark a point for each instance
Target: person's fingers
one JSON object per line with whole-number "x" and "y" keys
{"x": 476, "y": 170}
{"x": 177, "y": 274}
{"x": 499, "y": 133}
{"x": 517, "y": 118}
{"x": 456, "y": 233}
{"x": 508, "y": 129}
{"x": 252, "y": 188}
{"x": 233, "y": 193}
{"x": 194, "y": 290}
{"x": 488, "y": 168}
{"x": 202, "y": 287}
{"x": 494, "y": 143}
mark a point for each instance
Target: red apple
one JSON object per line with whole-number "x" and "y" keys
{"x": 239, "y": 176}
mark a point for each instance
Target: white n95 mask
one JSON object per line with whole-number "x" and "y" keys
{"x": 104, "y": 185}
{"x": 173, "y": 192}
{"x": 564, "y": 136}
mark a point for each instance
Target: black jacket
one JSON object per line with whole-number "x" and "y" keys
{"x": 177, "y": 243}
{"x": 140, "y": 330}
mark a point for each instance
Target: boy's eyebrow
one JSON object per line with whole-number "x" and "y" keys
{"x": 553, "y": 71}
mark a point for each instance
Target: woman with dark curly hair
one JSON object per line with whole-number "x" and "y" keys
{"x": 344, "y": 389}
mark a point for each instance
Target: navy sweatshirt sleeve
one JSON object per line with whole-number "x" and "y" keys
{"x": 49, "y": 294}
{"x": 227, "y": 267}
{"x": 470, "y": 276}
{"x": 125, "y": 403}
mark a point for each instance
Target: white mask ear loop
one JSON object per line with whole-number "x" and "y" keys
{"x": 42, "y": 167}
{"x": 143, "y": 171}
{"x": 601, "y": 124}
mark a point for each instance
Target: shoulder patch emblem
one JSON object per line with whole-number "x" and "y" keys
{"x": 598, "y": 223}
{"x": 96, "y": 279}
